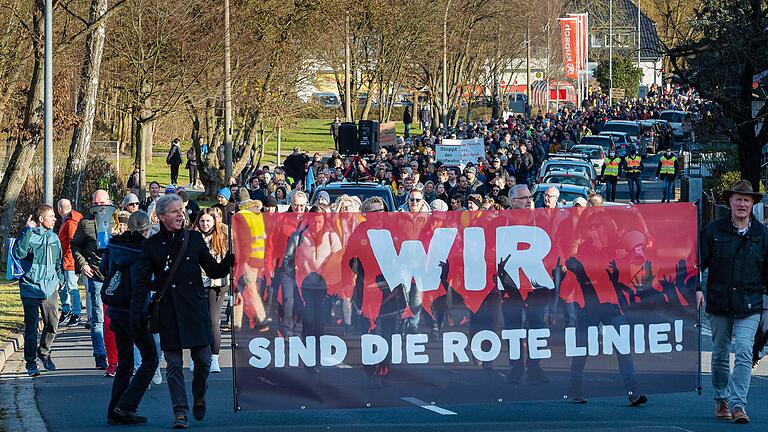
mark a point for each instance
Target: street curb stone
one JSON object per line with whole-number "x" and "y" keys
{"x": 10, "y": 347}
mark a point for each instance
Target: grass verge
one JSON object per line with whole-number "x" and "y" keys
{"x": 11, "y": 311}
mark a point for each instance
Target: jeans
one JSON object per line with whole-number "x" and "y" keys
{"x": 732, "y": 387}
{"x": 175, "y": 375}
{"x": 610, "y": 188}
{"x": 592, "y": 316}
{"x": 291, "y": 313}
{"x": 635, "y": 187}
{"x": 667, "y": 189}
{"x": 415, "y": 298}
{"x": 407, "y": 131}
{"x": 69, "y": 294}
{"x": 97, "y": 318}
{"x": 126, "y": 391}
{"x": 174, "y": 174}
{"x": 33, "y": 309}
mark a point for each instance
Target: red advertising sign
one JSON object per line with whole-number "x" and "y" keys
{"x": 582, "y": 39}
{"x": 569, "y": 35}
{"x": 360, "y": 310}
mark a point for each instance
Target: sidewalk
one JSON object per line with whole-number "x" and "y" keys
{"x": 76, "y": 395}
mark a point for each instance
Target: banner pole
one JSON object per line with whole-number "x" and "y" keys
{"x": 698, "y": 310}
{"x": 232, "y": 343}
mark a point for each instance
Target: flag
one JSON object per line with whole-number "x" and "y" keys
{"x": 309, "y": 181}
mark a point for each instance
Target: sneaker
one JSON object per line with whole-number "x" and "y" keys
{"x": 101, "y": 363}
{"x": 740, "y": 416}
{"x": 33, "y": 371}
{"x": 111, "y": 371}
{"x": 198, "y": 410}
{"x": 47, "y": 363}
{"x": 63, "y": 318}
{"x": 74, "y": 321}
{"x": 215, "y": 368}
{"x": 637, "y": 399}
{"x": 180, "y": 422}
{"x": 157, "y": 379}
{"x": 88, "y": 325}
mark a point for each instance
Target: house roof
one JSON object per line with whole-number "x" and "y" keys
{"x": 624, "y": 15}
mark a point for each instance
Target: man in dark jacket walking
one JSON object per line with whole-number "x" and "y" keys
{"x": 734, "y": 249}
{"x": 125, "y": 302}
{"x": 87, "y": 260}
{"x": 39, "y": 250}
{"x": 174, "y": 160}
{"x": 407, "y": 121}
{"x": 185, "y": 322}
{"x": 335, "y": 132}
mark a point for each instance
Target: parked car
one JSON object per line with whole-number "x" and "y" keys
{"x": 579, "y": 163}
{"x": 600, "y": 140}
{"x": 568, "y": 193}
{"x": 596, "y": 153}
{"x": 621, "y": 140}
{"x": 633, "y": 129}
{"x": 362, "y": 190}
{"x": 326, "y": 100}
{"x": 680, "y": 122}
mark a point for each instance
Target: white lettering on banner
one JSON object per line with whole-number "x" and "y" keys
{"x": 474, "y": 259}
{"x": 458, "y": 347}
{"x": 413, "y": 262}
{"x": 531, "y": 260}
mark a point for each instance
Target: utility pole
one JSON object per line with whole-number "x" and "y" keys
{"x": 444, "y": 95}
{"x": 48, "y": 106}
{"x": 610, "y": 52}
{"x": 347, "y": 74}
{"x": 227, "y": 98}
{"x": 528, "y": 66}
{"x": 638, "y": 48}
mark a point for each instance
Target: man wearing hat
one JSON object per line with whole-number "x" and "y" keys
{"x": 734, "y": 249}
{"x": 131, "y": 203}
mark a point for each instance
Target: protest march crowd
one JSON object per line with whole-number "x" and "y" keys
{"x": 160, "y": 285}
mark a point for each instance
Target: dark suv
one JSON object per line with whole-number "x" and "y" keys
{"x": 362, "y": 190}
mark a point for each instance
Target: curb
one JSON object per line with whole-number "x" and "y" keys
{"x": 11, "y": 347}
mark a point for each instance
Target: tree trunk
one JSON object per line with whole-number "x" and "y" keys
{"x": 86, "y": 106}
{"x": 18, "y": 166}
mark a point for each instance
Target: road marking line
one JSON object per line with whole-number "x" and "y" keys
{"x": 429, "y": 407}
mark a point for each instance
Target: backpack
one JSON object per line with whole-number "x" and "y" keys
{"x": 116, "y": 290}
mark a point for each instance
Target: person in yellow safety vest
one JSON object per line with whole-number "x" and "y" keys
{"x": 248, "y": 237}
{"x": 633, "y": 168}
{"x": 610, "y": 174}
{"x": 667, "y": 170}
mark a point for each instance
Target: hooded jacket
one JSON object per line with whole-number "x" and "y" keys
{"x": 124, "y": 251}
{"x": 39, "y": 251}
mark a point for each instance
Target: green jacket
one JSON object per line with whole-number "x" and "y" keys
{"x": 39, "y": 251}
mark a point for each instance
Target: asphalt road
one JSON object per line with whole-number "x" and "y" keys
{"x": 76, "y": 395}
{"x": 651, "y": 190}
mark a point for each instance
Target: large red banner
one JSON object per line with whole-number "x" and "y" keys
{"x": 421, "y": 304}
{"x": 570, "y": 42}
{"x": 582, "y": 33}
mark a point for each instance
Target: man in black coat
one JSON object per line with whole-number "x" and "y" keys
{"x": 185, "y": 322}
{"x": 174, "y": 160}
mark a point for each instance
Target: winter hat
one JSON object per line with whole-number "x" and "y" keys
{"x": 475, "y": 200}
{"x": 438, "y": 205}
{"x": 170, "y": 189}
{"x": 225, "y": 192}
{"x": 130, "y": 199}
{"x": 243, "y": 195}
{"x": 324, "y": 196}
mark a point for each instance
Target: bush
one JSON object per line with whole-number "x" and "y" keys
{"x": 99, "y": 174}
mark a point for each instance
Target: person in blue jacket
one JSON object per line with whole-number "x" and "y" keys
{"x": 39, "y": 251}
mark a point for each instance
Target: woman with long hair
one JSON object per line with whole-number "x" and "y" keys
{"x": 214, "y": 233}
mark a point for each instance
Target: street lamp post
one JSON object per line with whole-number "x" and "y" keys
{"x": 227, "y": 98}
{"x": 347, "y": 74}
{"x": 48, "y": 106}
{"x": 610, "y": 52}
{"x": 444, "y": 95}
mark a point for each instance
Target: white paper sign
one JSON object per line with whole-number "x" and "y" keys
{"x": 460, "y": 152}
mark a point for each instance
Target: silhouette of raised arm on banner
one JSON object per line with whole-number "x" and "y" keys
{"x": 620, "y": 287}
